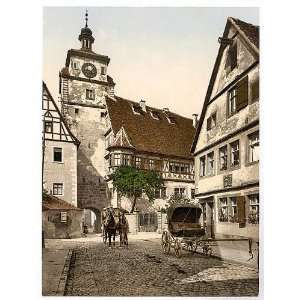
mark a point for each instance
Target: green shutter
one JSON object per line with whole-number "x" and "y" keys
{"x": 242, "y": 94}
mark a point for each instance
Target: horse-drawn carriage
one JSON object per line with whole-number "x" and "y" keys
{"x": 184, "y": 232}
{"x": 114, "y": 222}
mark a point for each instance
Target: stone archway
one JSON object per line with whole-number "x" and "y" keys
{"x": 97, "y": 223}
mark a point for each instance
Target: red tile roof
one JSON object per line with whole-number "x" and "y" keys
{"x": 52, "y": 202}
{"x": 148, "y": 134}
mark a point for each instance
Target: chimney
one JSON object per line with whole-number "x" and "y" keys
{"x": 143, "y": 105}
{"x": 165, "y": 109}
{"x": 195, "y": 119}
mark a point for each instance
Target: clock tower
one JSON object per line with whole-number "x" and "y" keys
{"x": 83, "y": 85}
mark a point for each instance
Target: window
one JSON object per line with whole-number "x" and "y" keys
{"x": 223, "y": 158}
{"x": 163, "y": 192}
{"x": 76, "y": 111}
{"x": 151, "y": 164}
{"x": 210, "y": 163}
{"x": 253, "y": 216}
{"x": 202, "y": 166}
{"x": 103, "y": 114}
{"x": 90, "y": 94}
{"x": 58, "y": 189}
{"x": 232, "y": 102}
{"x": 174, "y": 167}
{"x": 48, "y": 126}
{"x": 138, "y": 162}
{"x": 211, "y": 121}
{"x": 103, "y": 70}
{"x": 234, "y": 211}
{"x": 238, "y": 96}
{"x": 180, "y": 192}
{"x": 117, "y": 159}
{"x": 157, "y": 193}
{"x": 57, "y": 154}
{"x": 75, "y": 65}
{"x": 253, "y": 147}
{"x": 192, "y": 193}
{"x": 223, "y": 212}
{"x": 235, "y": 154}
{"x": 126, "y": 159}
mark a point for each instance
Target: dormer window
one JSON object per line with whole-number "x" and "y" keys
{"x": 137, "y": 109}
{"x": 90, "y": 94}
{"x": 154, "y": 115}
{"x": 171, "y": 119}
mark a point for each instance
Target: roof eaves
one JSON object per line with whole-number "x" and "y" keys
{"x": 244, "y": 35}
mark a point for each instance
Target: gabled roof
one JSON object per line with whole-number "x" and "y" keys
{"x": 75, "y": 140}
{"x": 250, "y": 34}
{"x": 146, "y": 133}
{"x": 52, "y": 202}
{"x": 251, "y": 31}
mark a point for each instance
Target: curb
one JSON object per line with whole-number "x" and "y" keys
{"x": 64, "y": 275}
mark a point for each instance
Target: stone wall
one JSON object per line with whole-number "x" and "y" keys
{"x": 89, "y": 128}
{"x": 54, "y": 229}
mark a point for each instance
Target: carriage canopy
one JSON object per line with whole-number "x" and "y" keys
{"x": 187, "y": 213}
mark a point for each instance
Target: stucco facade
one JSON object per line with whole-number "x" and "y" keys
{"x": 226, "y": 147}
{"x": 60, "y": 148}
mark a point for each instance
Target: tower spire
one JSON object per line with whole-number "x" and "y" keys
{"x": 86, "y": 18}
{"x": 86, "y": 35}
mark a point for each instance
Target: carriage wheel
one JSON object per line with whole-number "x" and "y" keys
{"x": 178, "y": 248}
{"x": 165, "y": 243}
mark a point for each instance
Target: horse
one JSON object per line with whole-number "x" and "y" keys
{"x": 123, "y": 229}
{"x": 109, "y": 227}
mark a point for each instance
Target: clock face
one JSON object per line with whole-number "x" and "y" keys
{"x": 89, "y": 70}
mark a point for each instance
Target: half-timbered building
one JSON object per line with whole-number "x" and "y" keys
{"x": 150, "y": 139}
{"x": 59, "y": 152}
{"x": 226, "y": 144}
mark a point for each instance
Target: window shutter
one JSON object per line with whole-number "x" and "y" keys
{"x": 233, "y": 56}
{"x": 255, "y": 90}
{"x": 242, "y": 94}
{"x": 208, "y": 124}
{"x": 241, "y": 207}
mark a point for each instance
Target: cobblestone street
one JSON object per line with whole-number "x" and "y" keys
{"x": 143, "y": 270}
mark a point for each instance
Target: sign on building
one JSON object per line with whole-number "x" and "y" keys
{"x": 63, "y": 217}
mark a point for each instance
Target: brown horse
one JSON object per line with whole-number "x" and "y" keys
{"x": 109, "y": 227}
{"x": 123, "y": 229}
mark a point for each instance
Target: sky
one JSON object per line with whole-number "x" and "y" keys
{"x": 162, "y": 55}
